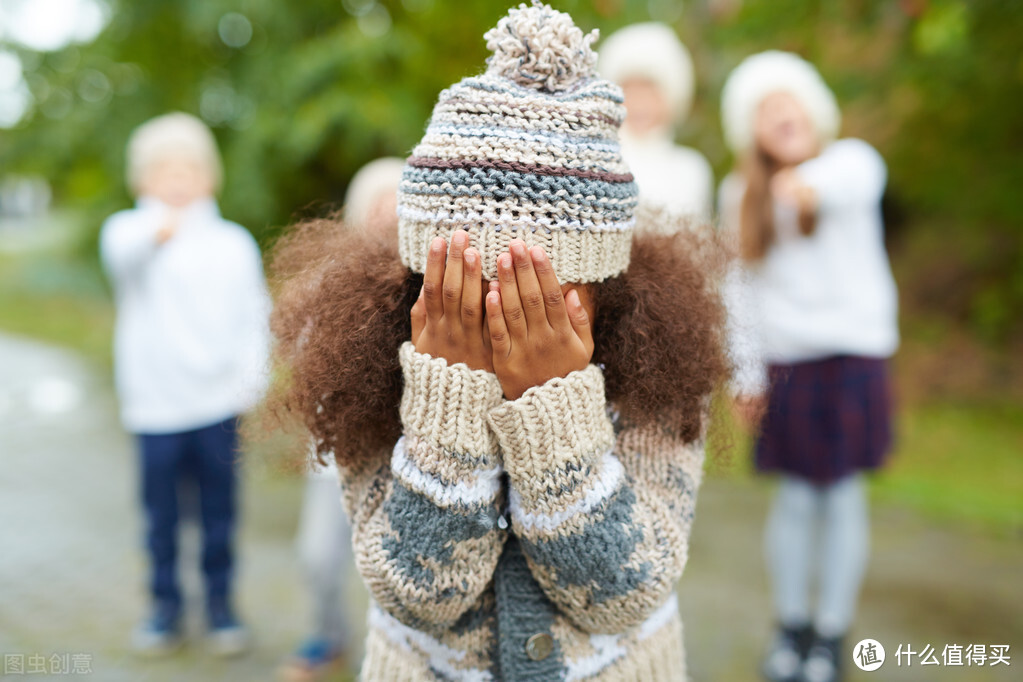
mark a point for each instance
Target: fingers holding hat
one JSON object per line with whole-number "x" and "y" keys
{"x": 530, "y": 293}
{"x": 447, "y": 320}
{"x": 580, "y": 321}
{"x": 433, "y": 279}
{"x": 472, "y": 291}
{"x": 550, "y": 288}
{"x": 511, "y": 304}
{"x": 474, "y": 319}
{"x": 451, "y": 289}
{"x": 497, "y": 327}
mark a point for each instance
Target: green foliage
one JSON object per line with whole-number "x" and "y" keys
{"x": 960, "y": 462}
{"x": 316, "y": 91}
{"x": 59, "y": 299}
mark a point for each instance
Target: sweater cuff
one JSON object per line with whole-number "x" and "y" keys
{"x": 561, "y": 426}
{"x": 446, "y": 406}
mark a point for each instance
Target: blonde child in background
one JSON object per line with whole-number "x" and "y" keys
{"x": 324, "y": 535}
{"x": 190, "y": 349}
{"x": 820, "y": 308}
{"x": 655, "y": 72}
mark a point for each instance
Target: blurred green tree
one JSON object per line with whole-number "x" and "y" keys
{"x": 301, "y": 94}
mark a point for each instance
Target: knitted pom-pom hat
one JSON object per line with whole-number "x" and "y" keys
{"x": 762, "y": 74}
{"x": 528, "y": 150}
{"x": 651, "y": 51}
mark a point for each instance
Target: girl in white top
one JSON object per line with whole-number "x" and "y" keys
{"x": 655, "y": 72}
{"x": 814, "y": 319}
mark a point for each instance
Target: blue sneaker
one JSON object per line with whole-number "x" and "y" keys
{"x": 314, "y": 660}
{"x": 226, "y": 636}
{"x": 161, "y": 633}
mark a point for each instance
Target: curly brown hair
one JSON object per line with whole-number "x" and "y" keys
{"x": 343, "y": 300}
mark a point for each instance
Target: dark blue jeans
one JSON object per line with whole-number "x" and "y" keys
{"x": 208, "y": 457}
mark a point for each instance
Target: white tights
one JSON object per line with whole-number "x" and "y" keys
{"x": 823, "y": 527}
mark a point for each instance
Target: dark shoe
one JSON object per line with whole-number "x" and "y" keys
{"x": 161, "y": 633}
{"x": 314, "y": 660}
{"x": 226, "y": 636}
{"x": 784, "y": 660}
{"x": 823, "y": 661}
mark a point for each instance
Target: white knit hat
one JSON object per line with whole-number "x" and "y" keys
{"x": 653, "y": 51}
{"x": 768, "y": 72}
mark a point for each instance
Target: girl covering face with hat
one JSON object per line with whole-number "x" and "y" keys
{"x": 519, "y": 392}
{"x": 817, "y": 302}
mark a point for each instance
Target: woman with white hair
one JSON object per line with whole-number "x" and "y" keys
{"x": 655, "y": 72}
{"x": 804, "y": 210}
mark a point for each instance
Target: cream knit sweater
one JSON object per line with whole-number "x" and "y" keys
{"x": 531, "y": 539}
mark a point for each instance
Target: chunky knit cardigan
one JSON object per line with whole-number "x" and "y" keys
{"x": 531, "y": 539}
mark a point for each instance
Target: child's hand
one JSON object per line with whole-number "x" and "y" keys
{"x": 536, "y": 333}
{"x": 447, "y": 319}
{"x": 748, "y": 411}
{"x": 789, "y": 189}
{"x": 168, "y": 229}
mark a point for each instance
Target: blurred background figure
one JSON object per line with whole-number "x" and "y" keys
{"x": 190, "y": 351}
{"x": 324, "y": 535}
{"x": 806, "y": 213}
{"x": 655, "y": 72}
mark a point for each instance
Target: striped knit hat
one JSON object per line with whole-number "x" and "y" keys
{"x": 530, "y": 150}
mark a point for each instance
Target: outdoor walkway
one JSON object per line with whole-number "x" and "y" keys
{"x": 72, "y": 571}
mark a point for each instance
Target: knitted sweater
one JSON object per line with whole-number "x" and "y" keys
{"x": 578, "y": 586}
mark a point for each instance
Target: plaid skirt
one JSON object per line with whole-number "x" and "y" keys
{"x": 826, "y": 418}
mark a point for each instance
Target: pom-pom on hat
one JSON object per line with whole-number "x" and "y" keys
{"x": 528, "y": 150}
{"x": 768, "y": 72}
{"x": 652, "y": 51}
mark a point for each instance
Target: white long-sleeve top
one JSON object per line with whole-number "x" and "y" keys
{"x": 669, "y": 176}
{"x": 831, "y": 293}
{"x": 192, "y": 335}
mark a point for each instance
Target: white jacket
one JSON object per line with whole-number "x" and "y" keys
{"x": 831, "y": 293}
{"x": 192, "y": 335}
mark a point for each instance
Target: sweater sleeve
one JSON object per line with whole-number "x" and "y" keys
{"x": 425, "y": 528}
{"x": 603, "y": 520}
{"x": 847, "y": 173}
{"x": 126, "y": 244}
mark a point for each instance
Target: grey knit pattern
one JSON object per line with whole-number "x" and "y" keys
{"x": 527, "y": 150}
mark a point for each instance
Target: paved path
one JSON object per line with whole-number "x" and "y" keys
{"x": 72, "y": 572}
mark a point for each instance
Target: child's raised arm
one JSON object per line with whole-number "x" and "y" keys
{"x": 129, "y": 238}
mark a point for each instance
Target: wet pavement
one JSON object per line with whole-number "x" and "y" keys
{"x": 72, "y": 570}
